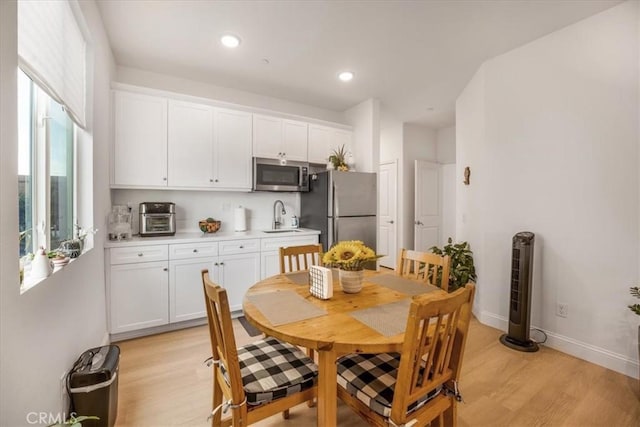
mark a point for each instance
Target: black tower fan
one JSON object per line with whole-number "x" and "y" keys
{"x": 520, "y": 294}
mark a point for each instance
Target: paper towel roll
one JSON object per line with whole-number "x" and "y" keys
{"x": 241, "y": 219}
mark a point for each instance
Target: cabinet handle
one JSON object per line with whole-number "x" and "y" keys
{"x": 140, "y": 254}
{"x": 284, "y": 154}
{"x": 215, "y": 180}
{"x": 216, "y": 264}
{"x": 210, "y": 180}
{"x": 195, "y": 251}
{"x": 390, "y": 222}
{"x": 165, "y": 269}
{"x": 241, "y": 247}
{"x": 222, "y": 263}
{"x": 164, "y": 178}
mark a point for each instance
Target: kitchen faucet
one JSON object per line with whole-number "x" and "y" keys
{"x": 276, "y": 221}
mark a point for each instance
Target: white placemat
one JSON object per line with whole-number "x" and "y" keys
{"x": 302, "y": 277}
{"x": 402, "y": 284}
{"x": 387, "y": 319}
{"x": 282, "y": 307}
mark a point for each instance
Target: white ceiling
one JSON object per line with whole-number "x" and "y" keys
{"x": 412, "y": 55}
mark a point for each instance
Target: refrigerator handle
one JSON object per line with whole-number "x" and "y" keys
{"x": 335, "y": 230}
{"x": 336, "y": 215}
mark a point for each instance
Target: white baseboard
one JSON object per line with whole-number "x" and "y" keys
{"x": 591, "y": 353}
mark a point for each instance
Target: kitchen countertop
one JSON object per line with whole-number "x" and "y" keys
{"x": 198, "y": 237}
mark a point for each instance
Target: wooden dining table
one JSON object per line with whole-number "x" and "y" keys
{"x": 332, "y": 334}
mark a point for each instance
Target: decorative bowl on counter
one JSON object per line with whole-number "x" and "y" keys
{"x": 209, "y": 225}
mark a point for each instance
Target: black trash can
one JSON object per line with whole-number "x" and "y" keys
{"x": 93, "y": 385}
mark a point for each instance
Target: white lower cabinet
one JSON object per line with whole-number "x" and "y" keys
{"x": 270, "y": 252}
{"x": 186, "y": 262}
{"x": 269, "y": 264}
{"x": 186, "y": 295}
{"x": 237, "y": 273}
{"x": 156, "y": 285}
{"x": 139, "y": 296}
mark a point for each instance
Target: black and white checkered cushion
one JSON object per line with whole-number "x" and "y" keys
{"x": 272, "y": 369}
{"x": 371, "y": 378}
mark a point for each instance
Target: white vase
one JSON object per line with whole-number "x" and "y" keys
{"x": 40, "y": 266}
{"x": 351, "y": 281}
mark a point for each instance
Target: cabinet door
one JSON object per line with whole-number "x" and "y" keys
{"x": 140, "y": 140}
{"x": 267, "y": 137}
{"x": 139, "y": 296}
{"x": 190, "y": 145}
{"x": 232, "y": 150}
{"x": 237, "y": 273}
{"x": 269, "y": 264}
{"x": 294, "y": 140}
{"x": 185, "y": 288}
{"x": 318, "y": 146}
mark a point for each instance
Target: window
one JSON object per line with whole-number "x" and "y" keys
{"x": 46, "y": 169}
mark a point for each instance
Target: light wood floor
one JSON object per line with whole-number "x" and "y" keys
{"x": 164, "y": 383}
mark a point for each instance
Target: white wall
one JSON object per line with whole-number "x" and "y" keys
{"x": 192, "y": 206}
{"x": 43, "y": 331}
{"x": 446, "y": 151}
{"x": 550, "y": 131}
{"x": 446, "y": 145}
{"x": 165, "y": 82}
{"x": 390, "y": 137}
{"x": 365, "y": 119}
{"x": 419, "y": 143}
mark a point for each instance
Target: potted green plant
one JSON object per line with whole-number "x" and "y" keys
{"x": 339, "y": 159}
{"x": 462, "y": 269}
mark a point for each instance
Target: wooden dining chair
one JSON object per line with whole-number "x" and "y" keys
{"x": 419, "y": 385}
{"x": 432, "y": 269}
{"x": 257, "y": 380}
{"x": 296, "y": 258}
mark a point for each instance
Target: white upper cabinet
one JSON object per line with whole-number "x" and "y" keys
{"x": 267, "y": 136}
{"x": 175, "y": 144}
{"x": 318, "y": 144}
{"x": 140, "y": 140}
{"x": 276, "y": 138}
{"x": 324, "y": 140}
{"x": 294, "y": 140}
{"x": 190, "y": 144}
{"x": 232, "y": 150}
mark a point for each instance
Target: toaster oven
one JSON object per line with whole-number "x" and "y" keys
{"x": 157, "y": 219}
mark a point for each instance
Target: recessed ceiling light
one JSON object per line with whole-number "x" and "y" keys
{"x": 346, "y": 76}
{"x": 230, "y": 41}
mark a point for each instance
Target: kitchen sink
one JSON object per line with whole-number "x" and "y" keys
{"x": 281, "y": 231}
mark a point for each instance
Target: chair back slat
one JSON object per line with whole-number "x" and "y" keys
{"x": 435, "y": 336}
{"x": 296, "y": 258}
{"x": 223, "y": 343}
{"x": 430, "y": 268}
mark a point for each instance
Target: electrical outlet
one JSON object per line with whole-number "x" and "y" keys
{"x": 562, "y": 310}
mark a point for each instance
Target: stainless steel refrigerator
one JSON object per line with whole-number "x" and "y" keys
{"x": 342, "y": 205}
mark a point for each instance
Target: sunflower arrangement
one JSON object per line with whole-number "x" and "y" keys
{"x": 350, "y": 255}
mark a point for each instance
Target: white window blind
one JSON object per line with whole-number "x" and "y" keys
{"x": 52, "y": 52}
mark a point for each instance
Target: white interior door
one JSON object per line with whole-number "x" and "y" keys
{"x": 387, "y": 226}
{"x": 427, "y": 205}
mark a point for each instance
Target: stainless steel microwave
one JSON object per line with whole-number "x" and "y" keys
{"x": 280, "y": 175}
